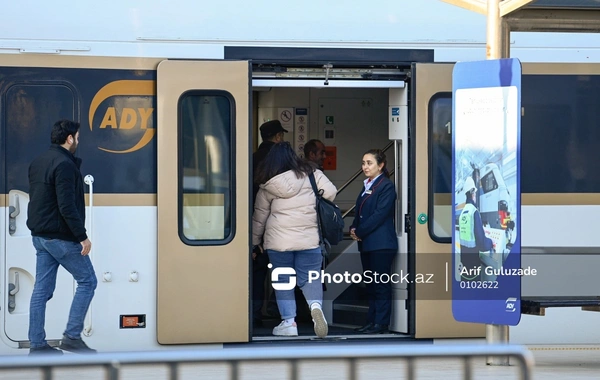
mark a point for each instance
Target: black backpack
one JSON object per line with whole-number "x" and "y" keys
{"x": 329, "y": 217}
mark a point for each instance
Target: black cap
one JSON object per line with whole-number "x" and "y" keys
{"x": 271, "y": 128}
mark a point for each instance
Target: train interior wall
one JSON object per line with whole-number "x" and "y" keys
{"x": 348, "y": 121}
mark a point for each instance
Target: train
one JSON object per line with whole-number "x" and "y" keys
{"x": 169, "y": 114}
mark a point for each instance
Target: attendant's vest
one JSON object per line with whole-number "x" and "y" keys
{"x": 466, "y": 224}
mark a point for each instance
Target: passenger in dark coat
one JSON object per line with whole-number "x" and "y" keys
{"x": 271, "y": 132}
{"x": 56, "y": 218}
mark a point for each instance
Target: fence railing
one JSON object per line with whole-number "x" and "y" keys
{"x": 349, "y": 354}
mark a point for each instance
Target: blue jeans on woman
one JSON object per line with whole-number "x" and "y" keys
{"x": 50, "y": 254}
{"x": 302, "y": 262}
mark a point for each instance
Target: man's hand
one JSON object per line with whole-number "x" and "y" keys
{"x": 86, "y": 247}
{"x": 257, "y": 249}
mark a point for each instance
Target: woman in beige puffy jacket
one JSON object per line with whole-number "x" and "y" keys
{"x": 285, "y": 223}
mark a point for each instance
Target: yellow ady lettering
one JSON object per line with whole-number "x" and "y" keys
{"x": 130, "y": 117}
{"x": 110, "y": 118}
{"x": 145, "y": 114}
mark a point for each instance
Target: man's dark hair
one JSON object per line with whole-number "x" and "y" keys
{"x": 280, "y": 159}
{"x": 63, "y": 129}
{"x": 266, "y": 136}
{"x": 311, "y": 146}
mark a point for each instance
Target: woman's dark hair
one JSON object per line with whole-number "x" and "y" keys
{"x": 380, "y": 158}
{"x": 280, "y": 159}
{"x": 63, "y": 129}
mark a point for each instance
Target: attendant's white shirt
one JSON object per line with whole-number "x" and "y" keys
{"x": 368, "y": 183}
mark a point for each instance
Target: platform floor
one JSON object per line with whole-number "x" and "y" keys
{"x": 551, "y": 362}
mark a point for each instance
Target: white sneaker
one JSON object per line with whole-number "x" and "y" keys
{"x": 318, "y": 318}
{"x": 289, "y": 329}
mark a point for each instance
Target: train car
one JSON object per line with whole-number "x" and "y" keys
{"x": 170, "y": 113}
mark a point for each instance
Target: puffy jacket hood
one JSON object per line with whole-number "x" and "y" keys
{"x": 284, "y": 185}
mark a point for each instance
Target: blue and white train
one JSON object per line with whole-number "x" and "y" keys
{"x": 170, "y": 97}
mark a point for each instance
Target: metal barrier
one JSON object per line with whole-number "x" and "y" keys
{"x": 292, "y": 355}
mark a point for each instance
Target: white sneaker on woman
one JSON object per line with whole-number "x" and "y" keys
{"x": 286, "y": 329}
{"x": 318, "y": 318}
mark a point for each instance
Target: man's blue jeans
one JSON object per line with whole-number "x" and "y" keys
{"x": 50, "y": 254}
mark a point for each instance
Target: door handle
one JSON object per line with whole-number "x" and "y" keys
{"x": 14, "y": 211}
{"x": 13, "y": 289}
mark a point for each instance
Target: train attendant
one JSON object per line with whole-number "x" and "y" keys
{"x": 285, "y": 220}
{"x": 373, "y": 228}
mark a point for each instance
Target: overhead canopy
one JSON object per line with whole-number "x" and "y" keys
{"x": 571, "y": 4}
{"x": 579, "y": 16}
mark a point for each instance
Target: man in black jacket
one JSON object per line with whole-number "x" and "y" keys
{"x": 56, "y": 218}
{"x": 271, "y": 132}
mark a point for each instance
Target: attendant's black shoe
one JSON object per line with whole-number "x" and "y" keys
{"x": 77, "y": 346}
{"x": 365, "y": 327}
{"x": 45, "y": 350}
{"x": 376, "y": 329}
{"x": 257, "y": 323}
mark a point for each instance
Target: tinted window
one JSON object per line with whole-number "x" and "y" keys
{"x": 30, "y": 112}
{"x": 440, "y": 167}
{"x": 488, "y": 183}
{"x": 206, "y": 167}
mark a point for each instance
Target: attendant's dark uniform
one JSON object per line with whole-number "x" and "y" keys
{"x": 374, "y": 225}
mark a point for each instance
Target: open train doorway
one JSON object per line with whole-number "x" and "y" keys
{"x": 349, "y": 118}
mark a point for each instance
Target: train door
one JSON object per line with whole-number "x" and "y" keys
{"x": 431, "y": 209}
{"x": 349, "y": 118}
{"x": 30, "y": 110}
{"x": 203, "y": 201}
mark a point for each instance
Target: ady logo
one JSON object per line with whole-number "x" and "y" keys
{"x": 511, "y": 305}
{"x": 130, "y": 117}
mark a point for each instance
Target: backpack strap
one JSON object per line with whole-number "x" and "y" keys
{"x": 313, "y": 183}
{"x": 318, "y": 196}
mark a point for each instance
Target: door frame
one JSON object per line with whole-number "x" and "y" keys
{"x": 197, "y": 302}
{"x": 431, "y": 304}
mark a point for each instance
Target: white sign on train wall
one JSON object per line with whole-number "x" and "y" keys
{"x": 301, "y": 130}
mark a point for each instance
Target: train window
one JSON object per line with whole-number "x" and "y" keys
{"x": 488, "y": 182}
{"x": 32, "y": 107}
{"x": 440, "y": 168}
{"x": 206, "y": 167}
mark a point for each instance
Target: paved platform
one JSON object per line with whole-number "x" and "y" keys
{"x": 551, "y": 362}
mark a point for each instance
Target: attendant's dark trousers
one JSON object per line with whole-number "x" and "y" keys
{"x": 379, "y": 293}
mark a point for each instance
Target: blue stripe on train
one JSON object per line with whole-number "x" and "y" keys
{"x": 560, "y": 141}
{"x": 560, "y": 136}
{"x": 123, "y": 118}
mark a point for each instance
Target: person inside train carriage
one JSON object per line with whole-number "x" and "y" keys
{"x": 271, "y": 133}
{"x": 56, "y": 218}
{"x": 314, "y": 150}
{"x": 471, "y": 235}
{"x": 285, "y": 222}
{"x": 373, "y": 229}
